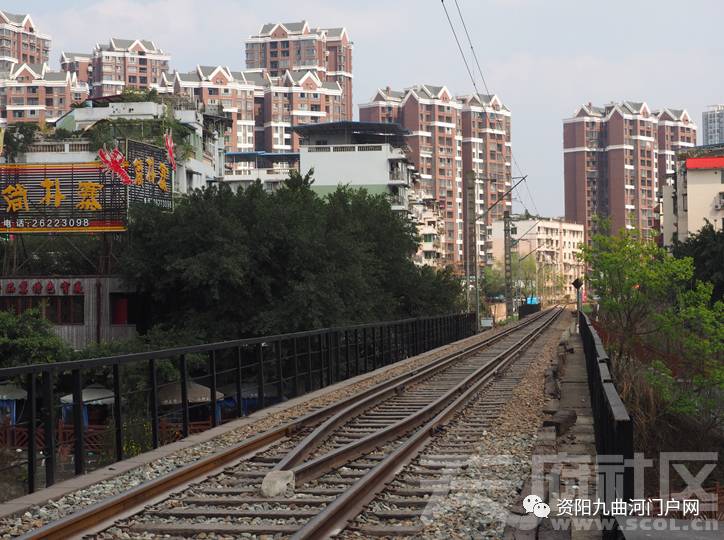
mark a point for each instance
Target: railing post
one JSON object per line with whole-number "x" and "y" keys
{"x": 212, "y": 390}
{"x": 117, "y": 419}
{"x": 32, "y": 453}
{"x": 347, "y": 373}
{"x": 239, "y": 399}
{"x": 260, "y": 374}
{"x": 356, "y": 351}
{"x": 153, "y": 400}
{"x": 364, "y": 348}
{"x": 374, "y": 348}
{"x": 49, "y": 428}
{"x": 78, "y": 431}
{"x": 280, "y": 370}
{"x": 390, "y": 354}
{"x": 309, "y": 364}
{"x": 296, "y": 367}
{"x": 184, "y": 371}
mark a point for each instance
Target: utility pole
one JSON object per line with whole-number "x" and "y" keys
{"x": 508, "y": 265}
{"x": 482, "y": 217}
{"x": 471, "y": 250}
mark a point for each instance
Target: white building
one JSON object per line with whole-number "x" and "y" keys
{"x": 204, "y": 165}
{"x": 712, "y": 123}
{"x": 555, "y": 245}
{"x": 693, "y": 197}
{"x": 367, "y": 155}
{"x": 430, "y": 221}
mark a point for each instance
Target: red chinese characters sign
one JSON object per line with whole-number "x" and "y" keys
{"x": 29, "y": 287}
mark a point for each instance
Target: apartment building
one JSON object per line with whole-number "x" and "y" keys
{"x": 554, "y": 244}
{"x": 426, "y": 214}
{"x": 694, "y": 195}
{"x": 79, "y": 63}
{"x": 34, "y": 93}
{"x": 263, "y": 109}
{"x": 365, "y": 155}
{"x": 125, "y": 63}
{"x": 453, "y": 139}
{"x": 712, "y": 125}
{"x": 224, "y": 92}
{"x": 615, "y": 160}
{"x": 20, "y": 42}
{"x": 297, "y": 47}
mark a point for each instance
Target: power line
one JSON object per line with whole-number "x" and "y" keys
{"x": 487, "y": 90}
{"x": 462, "y": 54}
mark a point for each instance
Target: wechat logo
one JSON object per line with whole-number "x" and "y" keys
{"x": 535, "y": 505}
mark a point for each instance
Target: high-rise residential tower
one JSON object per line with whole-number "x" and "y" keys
{"x": 712, "y": 125}
{"x": 297, "y": 47}
{"x": 616, "y": 159}
{"x": 453, "y": 140}
{"x": 20, "y": 42}
{"x": 124, "y": 63}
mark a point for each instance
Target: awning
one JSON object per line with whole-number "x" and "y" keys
{"x": 93, "y": 394}
{"x": 170, "y": 394}
{"x": 11, "y": 392}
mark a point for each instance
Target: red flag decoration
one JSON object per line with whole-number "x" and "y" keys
{"x": 37, "y": 287}
{"x": 50, "y": 287}
{"x": 168, "y": 141}
{"x": 113, "y": 162}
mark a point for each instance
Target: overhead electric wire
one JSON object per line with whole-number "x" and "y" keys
{"x": 485, "y": 85}
{"x": 460, "y": 48}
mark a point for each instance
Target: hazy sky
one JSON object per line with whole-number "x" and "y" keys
{"x": 542, "y": 57}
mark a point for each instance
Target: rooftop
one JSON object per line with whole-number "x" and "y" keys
{"x": 357, "y": 132}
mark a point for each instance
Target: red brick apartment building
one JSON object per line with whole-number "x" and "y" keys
{"x": 451, "y": 137}
{"x": 79, "y": 63}
{"x": 20, "y": 42}
{"x": 616, "y": 159}
{"x": 33, "y": 93}
{"x": 296, "y": 47}
{"x": 263, "y": 108}
{"x": 122, "y": 63}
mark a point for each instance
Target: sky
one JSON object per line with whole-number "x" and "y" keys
{"x": 544, "y": 58}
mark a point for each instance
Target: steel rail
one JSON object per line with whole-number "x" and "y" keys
{"x": 102, "y": 511}
{"x": 335, "y": 516}
{"x": 315, "y": 468}
{"x": 321, "y": 432}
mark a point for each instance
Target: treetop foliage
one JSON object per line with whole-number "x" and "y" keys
{"x": 253, "y": 263}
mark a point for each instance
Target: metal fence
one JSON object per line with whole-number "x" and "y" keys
{"x": 118, "y": 406}
{"x": 612, "y": 424}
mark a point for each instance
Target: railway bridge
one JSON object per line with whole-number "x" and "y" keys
{"x": 414, "y": 428}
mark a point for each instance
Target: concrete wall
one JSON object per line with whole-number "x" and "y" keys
{"x": 357, "y": 165}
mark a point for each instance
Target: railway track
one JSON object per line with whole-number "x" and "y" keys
{"x": 342, "y": 459}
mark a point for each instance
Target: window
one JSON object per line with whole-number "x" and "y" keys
{"x": 56, "y": 309}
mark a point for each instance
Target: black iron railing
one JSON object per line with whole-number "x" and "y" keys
{"x": 612, "y": 424}
{"x": 119, "y": 406}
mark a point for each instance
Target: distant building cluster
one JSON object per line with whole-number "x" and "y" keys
{"x": 443, "y": 158}
{"x": 616, "y": 161}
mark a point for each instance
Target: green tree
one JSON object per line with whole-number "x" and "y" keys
{"x": 252, "y": 263}
{"x": 28, "y": 339}
{"x": 633, "y": 279}
{"x": 706, "y": 248}
{"x": 18, "y": 138}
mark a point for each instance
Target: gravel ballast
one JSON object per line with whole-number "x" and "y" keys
{"x": 37, "y": 516}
